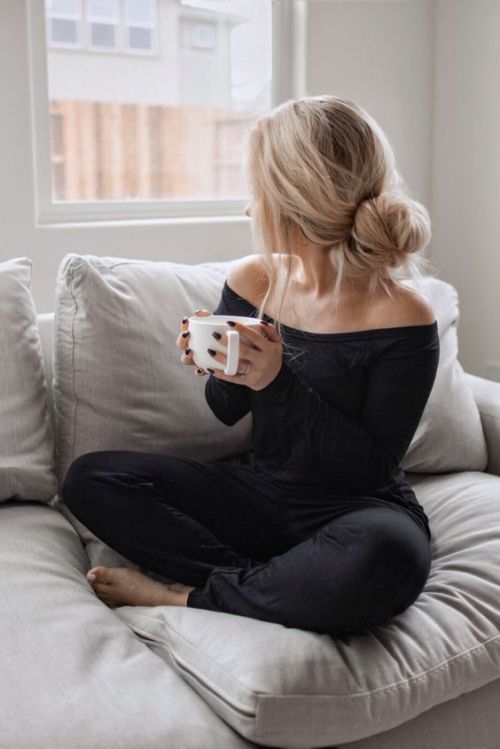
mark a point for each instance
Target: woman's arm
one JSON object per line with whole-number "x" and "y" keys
{"x": 368, "y": 449}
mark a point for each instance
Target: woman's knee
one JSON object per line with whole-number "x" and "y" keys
{"x": 379, "y": 562}
{"x": 402, "y": 558}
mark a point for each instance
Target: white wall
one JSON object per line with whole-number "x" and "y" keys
{"x": 466, "y": 175}
{"x": 380, "y": 54}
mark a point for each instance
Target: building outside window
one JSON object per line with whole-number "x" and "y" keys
{"x": 126, "y": 26}
{"x": 164, "y": 113}
{"x": 64, "y": 23}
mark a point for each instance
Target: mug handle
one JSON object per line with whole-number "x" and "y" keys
{"x": 233, "y": 352}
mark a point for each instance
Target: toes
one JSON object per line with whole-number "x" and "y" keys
{"x": 109, "y": 602}
{"x": 100, "y": 587}
{"x": 100, "y": 574}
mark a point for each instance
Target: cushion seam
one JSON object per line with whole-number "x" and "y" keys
{"x": 441, "y": 666}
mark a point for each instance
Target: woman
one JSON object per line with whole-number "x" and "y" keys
{"x": 322, "y": 530}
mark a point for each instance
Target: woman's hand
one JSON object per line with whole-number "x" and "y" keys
{"x": 264, "y": 360}
{"x": 183, "y": 339}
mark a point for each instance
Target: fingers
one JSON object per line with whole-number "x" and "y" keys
{"x": 258, "y": 336}
{"x": 198, "y": 371}
{"x": 182, "y": 340}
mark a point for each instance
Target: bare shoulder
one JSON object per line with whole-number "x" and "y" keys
{"x": 248, "y": 278}
{"x": 410, "y": 308}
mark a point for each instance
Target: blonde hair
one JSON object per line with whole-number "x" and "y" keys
{"x": 321, "y": 167}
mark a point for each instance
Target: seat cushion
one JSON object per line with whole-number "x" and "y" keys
{"x": 284, "y": 686}
{"x": 27, "y": 466}
{"x": 73, "y": 673}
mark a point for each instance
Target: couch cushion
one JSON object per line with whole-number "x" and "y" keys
{"x": 283, "y": 686}
{"x": 449, "y": 436}
{"x": 73, "y": 674}
{"x": 27, "y": 469}
{"x": 118, "y": 379}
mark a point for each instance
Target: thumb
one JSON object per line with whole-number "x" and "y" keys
{"x": 270, "y": 330}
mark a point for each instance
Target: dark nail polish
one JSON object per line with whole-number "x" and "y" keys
{"x": 185, "y": 334}
{"x": 231, "y": 323}
{"x": 212, "y": 371}
{"x": 217, "y": 336}
{"x": 211, "y": 351}
{"x": 188, "y": 351}
{"x": 184, "y": 319}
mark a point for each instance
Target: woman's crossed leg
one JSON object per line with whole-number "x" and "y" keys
{"x": 216, "y": 529}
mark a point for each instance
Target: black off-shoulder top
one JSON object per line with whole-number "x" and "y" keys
{"x": 341, "y": 413}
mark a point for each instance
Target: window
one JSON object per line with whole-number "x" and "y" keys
{"x": 64, "y": 23}
{"x": 203, "y": 35}
{"x": 140, "y": 24}
{"x": 102, "y": 24}
{"x": 126, "y": 26}
{"x": 142, "y": 135}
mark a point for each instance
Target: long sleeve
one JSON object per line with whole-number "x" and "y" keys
{"x": 365, "y": 450}
{"x": 228, "y": 401}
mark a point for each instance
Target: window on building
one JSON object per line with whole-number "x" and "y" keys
{"x": 203, "y": 35}
{"x": 64, "y": 23}
{"x": 103, "y": 24}
{"x": 140, "y": 24}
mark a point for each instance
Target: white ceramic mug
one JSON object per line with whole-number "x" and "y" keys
{"x": 201, "y": 328}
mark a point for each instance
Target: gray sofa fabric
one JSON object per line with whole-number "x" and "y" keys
{"x": 73, "y": 674}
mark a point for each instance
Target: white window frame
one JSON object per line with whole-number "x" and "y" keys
{"x": 66, "y": 17}
{"x": 153, "y": 27}
{"x": 116, "y": 22}
{"x": 288, "y": 81}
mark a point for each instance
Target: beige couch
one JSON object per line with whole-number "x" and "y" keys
{"x": 78, "y": 674}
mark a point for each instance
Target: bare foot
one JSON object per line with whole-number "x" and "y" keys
{"x": 121, "y": 586}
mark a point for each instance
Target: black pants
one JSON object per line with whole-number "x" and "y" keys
{"x": 335, "y": 565}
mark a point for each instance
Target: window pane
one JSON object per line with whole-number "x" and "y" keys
{"x": 104, "y": 9}
{"x": 175, "y": 130}
{"x": 102, "y": 35}
{"x": 139, "y": 11}
{"x": 203, "y": 35}
{"x": 64, "y": 7}
{"x": 63, "y": 31}
{"x": 140, "y": 38}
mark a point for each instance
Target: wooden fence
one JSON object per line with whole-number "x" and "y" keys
{"x": 115, "y": 151}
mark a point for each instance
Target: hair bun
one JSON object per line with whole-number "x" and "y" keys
{"x": 392, "y": 222}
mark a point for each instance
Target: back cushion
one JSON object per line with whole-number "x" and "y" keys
{"x": 27, "y": 469}
{"x": 449, "y": 436}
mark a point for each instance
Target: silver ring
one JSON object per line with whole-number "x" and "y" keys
{"x": 244, "y": 374}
